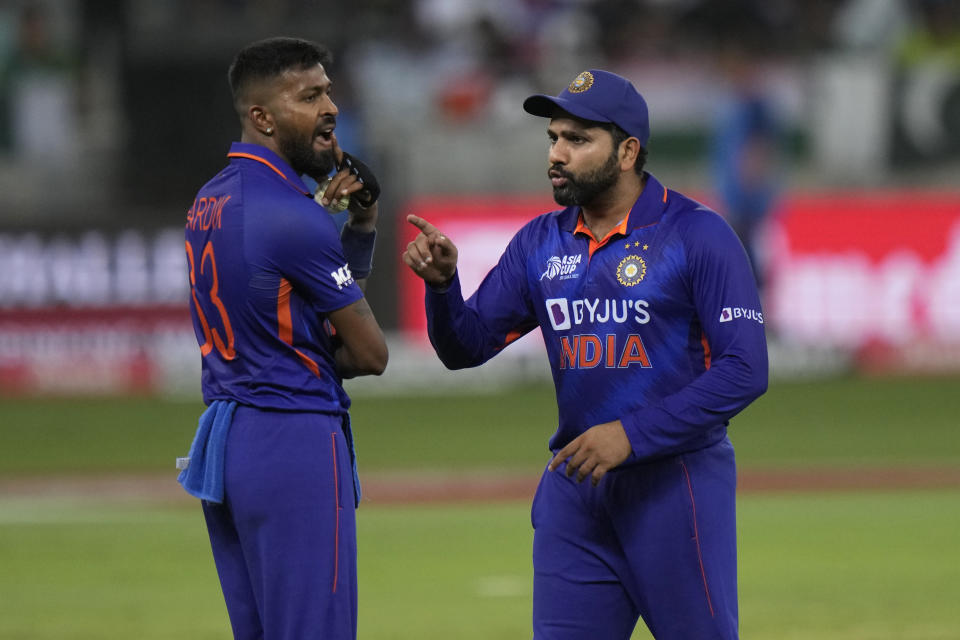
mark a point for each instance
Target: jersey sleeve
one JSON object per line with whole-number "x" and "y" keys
{"x": 728, "y": 308}
{"x": 468, "y": 333}
{"x": 305, "y": 248}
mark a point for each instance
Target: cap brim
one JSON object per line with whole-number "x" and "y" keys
{"x": 548, "y": 106}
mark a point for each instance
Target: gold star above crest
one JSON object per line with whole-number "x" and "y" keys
{"x": 645, "y": 247}
{"x": 637, "y": 243}
{"x": 626, "y": 246}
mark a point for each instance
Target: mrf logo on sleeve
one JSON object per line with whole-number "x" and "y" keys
{"x": 342, "y": 277}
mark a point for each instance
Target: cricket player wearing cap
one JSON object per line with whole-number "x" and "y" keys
{"x": 653, "y": 328}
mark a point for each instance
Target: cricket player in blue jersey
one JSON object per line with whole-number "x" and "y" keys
{"x": 280, "y": 316}
{"x": 654, "y": 332}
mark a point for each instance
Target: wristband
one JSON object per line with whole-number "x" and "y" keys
{"x": 358, "y": 250}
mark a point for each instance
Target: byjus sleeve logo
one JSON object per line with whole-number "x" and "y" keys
{"x": 729, "y": 314}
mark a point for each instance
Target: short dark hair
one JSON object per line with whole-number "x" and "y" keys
{"x": 269, "y": 58}
{"x": 619, "y": 135}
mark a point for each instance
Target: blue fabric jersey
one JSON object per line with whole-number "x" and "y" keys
{"x": 265, "y": 268}
{"x": 659, "y": 324}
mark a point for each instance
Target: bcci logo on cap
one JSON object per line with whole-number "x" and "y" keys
{"x": 581, "y": 83}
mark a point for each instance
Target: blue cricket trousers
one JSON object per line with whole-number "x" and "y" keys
{"x": 284, "y": 539}
{"x": 656, "y": 541}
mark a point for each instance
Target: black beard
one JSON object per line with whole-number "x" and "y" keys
{"x": 304, "y": 160}
{"x": 584, "y": 190}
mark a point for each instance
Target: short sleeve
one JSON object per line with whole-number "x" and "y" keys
{"x": 303, "y": 244}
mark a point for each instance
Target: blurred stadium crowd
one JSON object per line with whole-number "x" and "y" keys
{"x": 124, "y": 101}
{"x": 112, "y": 112}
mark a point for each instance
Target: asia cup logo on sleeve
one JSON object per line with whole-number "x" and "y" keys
{"x": 581, "y": 83}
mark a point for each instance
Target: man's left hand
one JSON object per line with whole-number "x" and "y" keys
{"x": 347, "y": 181}
{"x": 594, "y": 452}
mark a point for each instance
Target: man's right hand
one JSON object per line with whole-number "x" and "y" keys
{"x": 431, "y": 255}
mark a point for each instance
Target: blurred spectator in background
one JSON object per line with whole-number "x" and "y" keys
{"x": 928, "y": 56}
{"x": 478, "y": 49}
{"x": 869, "y": 26}
{"x": 39, "y": 94}
{"x": 746, "y": 151}
{"x": 936, "y": 34}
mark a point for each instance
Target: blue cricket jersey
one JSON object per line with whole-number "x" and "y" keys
{"x": 658, "y": 325}
{"x": 266, "y": 267}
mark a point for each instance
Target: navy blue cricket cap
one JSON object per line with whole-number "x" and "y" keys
{"x": 600, "y": 96}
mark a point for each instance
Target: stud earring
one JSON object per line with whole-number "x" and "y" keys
{"x": 269, "y": 131}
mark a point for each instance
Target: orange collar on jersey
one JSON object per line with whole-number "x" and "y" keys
{"x": 251, "y": 156}
{"x": 644, "y": 212}
{"x": 620, "y": 229}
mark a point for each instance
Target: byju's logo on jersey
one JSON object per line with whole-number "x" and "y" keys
{"x": 559, "y": 313}
{"x": 564, "y": 313}
{"x": 728, "y": 314}
{"x": 562, "y": 268}
{"x": 342, "y": 276}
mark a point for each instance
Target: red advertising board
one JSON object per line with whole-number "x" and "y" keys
{"x": 94, "y": 350}
{"x": 857, "y": 269}
{"x": 872, "y": 274}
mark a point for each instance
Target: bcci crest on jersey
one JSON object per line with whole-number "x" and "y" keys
{"x": 631, "y": 270}
{"x": 562, "y": 268}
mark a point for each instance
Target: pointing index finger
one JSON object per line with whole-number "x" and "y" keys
{"x": 423, "y": 225}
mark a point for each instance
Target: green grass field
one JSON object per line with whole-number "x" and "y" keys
{"x": 839, "y": 422}
{"x": 883, "y": 566}
{"x": 831, "y": 566}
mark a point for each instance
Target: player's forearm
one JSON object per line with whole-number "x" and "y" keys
{"x": 352, "y": 365}
{"x": 455, "y": 332}
{"x": 360, "y": 345}
{"x": 364, "y": 359}
{"x": 366, "y": 224}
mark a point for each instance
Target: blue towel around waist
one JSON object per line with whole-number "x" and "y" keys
{"x": 203, "y": 477}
